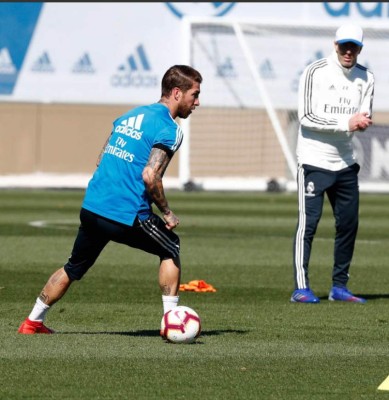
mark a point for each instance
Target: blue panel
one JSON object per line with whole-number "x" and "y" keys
{"x": 17, "y": 25}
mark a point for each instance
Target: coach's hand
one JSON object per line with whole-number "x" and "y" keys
{"x": 359, "y": 122}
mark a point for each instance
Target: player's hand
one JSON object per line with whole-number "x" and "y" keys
{"x": 171, "y": 220}
{"x": 359, "y": 122}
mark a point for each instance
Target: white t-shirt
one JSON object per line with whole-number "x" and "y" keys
{"x": 329, "y": 95}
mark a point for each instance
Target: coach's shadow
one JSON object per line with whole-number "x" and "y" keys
{"x": 155, "y": 333}
{"x": 364, "y": 296}
{"x": 374, "y": 296}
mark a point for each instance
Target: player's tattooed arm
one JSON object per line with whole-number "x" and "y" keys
{"x": 152, "y": 176}
{"x": 102, "y": 151}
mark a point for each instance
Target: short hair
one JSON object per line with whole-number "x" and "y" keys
{"x": 181, "y": 76}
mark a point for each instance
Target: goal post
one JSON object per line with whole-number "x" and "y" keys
{"x": 243, "y": 135}
{"x": 262, "y": 90}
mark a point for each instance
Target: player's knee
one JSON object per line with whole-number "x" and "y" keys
{"x": 177, "y": 247}
{"x": 76, "y": 271}
{"x": 171, "y": 251}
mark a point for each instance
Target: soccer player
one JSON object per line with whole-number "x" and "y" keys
{"x": 117, "y": 204}
{"x": 335, "y": 101}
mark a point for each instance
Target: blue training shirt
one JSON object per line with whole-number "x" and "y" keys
{"x": 116, "y": 189}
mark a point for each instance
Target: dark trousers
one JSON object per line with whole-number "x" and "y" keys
{"x": 343, "y": 194}
{"x": 95, "y": 231}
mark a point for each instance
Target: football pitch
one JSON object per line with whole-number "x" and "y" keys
{"x": 255, "y": 344}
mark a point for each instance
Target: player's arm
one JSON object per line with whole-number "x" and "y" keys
{"x": 152, "y": 176}
{"x": 102, "y": 150}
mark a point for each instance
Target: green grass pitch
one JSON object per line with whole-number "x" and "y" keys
{"x": 255, "y": 344}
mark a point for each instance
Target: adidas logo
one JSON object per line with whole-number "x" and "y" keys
{"x": 84, "y": 65}
{"x": 43, "y": 64}
{"x": 131, "y": 127}
{"x": 266, "y": 70}
{"x": 137, "y": 62}
{"x": 136, "y": 72}
{"x": 6, "y": 64}
{"x": 226, "y": 69}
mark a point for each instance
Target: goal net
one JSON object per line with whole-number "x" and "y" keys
{"x": 243, "y": 136}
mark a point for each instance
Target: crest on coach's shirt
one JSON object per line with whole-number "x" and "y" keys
{"x": 310, "y": 189}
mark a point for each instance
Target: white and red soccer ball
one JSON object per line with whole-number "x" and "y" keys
{"x": 181, "y": 325}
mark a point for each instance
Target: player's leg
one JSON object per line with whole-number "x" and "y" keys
{"x": 169, "y": 282}
{"x": 57, "y": 285}
{"x": 55, "y": 288}
{"x": 88, "y": 244}
{"x": 152, "y": 236}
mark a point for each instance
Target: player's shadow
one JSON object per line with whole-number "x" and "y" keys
{"x": 154, "y": 333}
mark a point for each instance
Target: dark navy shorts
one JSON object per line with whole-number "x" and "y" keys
{"x": 94, "y": 233}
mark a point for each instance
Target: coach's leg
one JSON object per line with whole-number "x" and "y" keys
{"x": 345, "y": 203}
{"x": 311, "y": 185}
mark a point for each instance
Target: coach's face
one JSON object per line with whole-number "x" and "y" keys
{"x": 188, "y": 101}
{"x": 347, "y": 53}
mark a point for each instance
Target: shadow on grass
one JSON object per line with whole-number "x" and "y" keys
{"x": 374, "y": 296}
{"x": 154, "y": 333}
{"x": 365, "y": 296}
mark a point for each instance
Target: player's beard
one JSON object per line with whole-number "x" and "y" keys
{"x": 184, "y": 112}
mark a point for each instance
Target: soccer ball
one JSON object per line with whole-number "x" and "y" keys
{"x": 181, "y": 325}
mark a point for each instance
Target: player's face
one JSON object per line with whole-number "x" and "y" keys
{"x": 189, "y": 101}
{"x": 347, "y": 53}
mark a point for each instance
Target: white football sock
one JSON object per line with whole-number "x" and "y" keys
{"x": 39, "y": 311}
{"x": 169, "y": 302}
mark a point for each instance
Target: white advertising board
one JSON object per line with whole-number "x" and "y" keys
{"x": 117, "y": 52}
